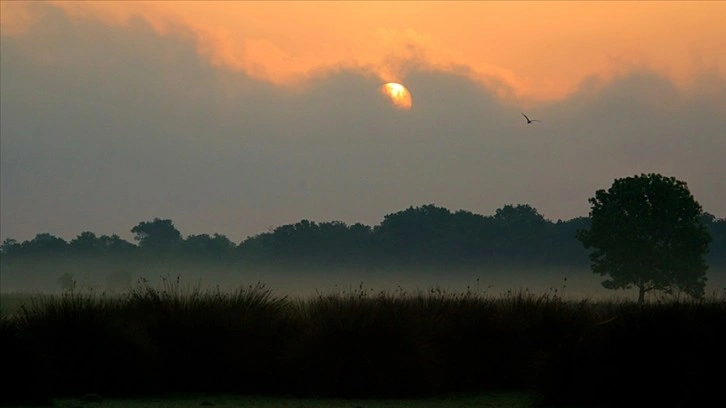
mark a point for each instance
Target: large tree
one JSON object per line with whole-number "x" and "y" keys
{"x": 204, "y": 245}
{"x": 522, "y": 233}
{"x": 646, "y": 232}
{"x": 157, "y": 235}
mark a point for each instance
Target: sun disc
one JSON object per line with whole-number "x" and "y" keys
{"x": 398, "y": 95}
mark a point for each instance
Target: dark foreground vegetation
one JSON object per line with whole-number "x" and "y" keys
{"x": 157, "y": 341}
{"x": 488, "y": 399}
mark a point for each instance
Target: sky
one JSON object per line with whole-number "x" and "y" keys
{"x": 238, "y": 117}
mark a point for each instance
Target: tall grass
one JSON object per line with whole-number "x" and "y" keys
{"x": 362, "y": 343}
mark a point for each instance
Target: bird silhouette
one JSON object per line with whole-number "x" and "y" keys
{"x": 529, "y": 121}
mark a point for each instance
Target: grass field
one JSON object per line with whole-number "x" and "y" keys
{"x": 368, "y": 349}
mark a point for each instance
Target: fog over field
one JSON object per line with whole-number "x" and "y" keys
{"x": 304, "y": 282}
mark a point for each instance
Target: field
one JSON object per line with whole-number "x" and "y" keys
{"x": 358, "y": 347}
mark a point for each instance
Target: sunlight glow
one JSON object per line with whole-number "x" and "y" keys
{"x": 398, "y": 94}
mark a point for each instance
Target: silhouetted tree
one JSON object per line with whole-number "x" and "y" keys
{"x": 157, "y": 235}
{"x": 86, "y": 243}
{"x": 521, "y": 217}
{"x": 647, "y": 232}
{"x": 473, "y": 236}
{"x": 416, "y": 234}
{"x": 10, "y": 247}
{"x": 717, "y": 229}
{"x": 257, "y": 248}
{"x": 204, "y": 245}
{"x": 325, "y": 243}
{"x": 341, "y": 243}
{"x": 115, "y": 244}
{"x": 45, "y": 244}
{"x": 296, "y": 241}
{"x": 91, "y": 252}
{"x": 521, "y": 233}
{"x": 425, "y": 235}
{"x": 564, "y": 247}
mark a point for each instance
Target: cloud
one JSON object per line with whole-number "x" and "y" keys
{"x": 108, "y": 125}
{"x": 541, "y": 51}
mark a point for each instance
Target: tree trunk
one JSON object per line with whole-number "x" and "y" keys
{"x": 641, "y": 294}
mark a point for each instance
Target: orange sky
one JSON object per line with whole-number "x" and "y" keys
{"x": 537, "y": 51}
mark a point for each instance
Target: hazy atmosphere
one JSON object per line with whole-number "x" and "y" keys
{"x": 237, "y": 117}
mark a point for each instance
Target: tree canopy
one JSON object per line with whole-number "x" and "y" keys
{"x": 159, "y": 235}
{"x": 647, "y": 232}
{"x": 424, "y": 236}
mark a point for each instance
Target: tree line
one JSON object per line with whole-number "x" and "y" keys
{"x": 421, "y": 235}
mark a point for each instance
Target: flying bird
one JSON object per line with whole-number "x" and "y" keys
{"x": 529, "y": 121}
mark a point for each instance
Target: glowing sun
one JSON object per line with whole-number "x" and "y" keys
{"x": 398, "y": 94}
